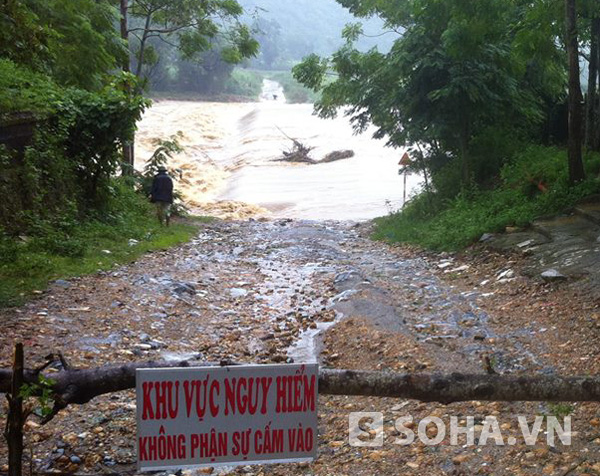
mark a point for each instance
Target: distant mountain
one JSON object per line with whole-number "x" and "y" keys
{"x": 293, "y": 29}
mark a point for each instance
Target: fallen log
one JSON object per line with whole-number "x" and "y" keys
{"x": 337, "y": 155}
{"x": 457, "y": 387}
{"x": 79, "y": 386}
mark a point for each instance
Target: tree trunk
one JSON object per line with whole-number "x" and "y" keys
{"x": 128, "y": 150}
{"x": 592, "y": 95}
{"x": 595, "y": 145}
{"x": 125, "y": 34}
{"x": 15, "y": 418}
{"x": 140, "y": 58}
{"x": 465, "y": 136}
{"x": 576, "y": 171}
{"x": 79, "y": 386}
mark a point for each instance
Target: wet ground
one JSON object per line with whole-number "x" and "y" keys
{"x": 289, "y": 290}
{"x": 569, "y": 244}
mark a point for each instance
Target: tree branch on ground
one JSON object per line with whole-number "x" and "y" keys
{"x": 79, "y": 386}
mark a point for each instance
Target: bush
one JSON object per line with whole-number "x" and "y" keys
{"x": 61, "y": 248}
{"x": 67, "y": 169}
{"x": 533, "y": 185}
{"x": 23, "y": 90}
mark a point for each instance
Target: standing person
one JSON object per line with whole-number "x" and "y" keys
{"x": 162, "y": 196}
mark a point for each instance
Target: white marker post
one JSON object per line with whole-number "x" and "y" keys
{"x": 211, "y": 416}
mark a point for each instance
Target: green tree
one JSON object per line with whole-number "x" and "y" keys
{"x": 450, "y": 75}
{"x": 192, "y": 26}
{"x": 75, "y": 42}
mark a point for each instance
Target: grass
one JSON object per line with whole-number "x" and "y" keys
{"x": 295, "y": 92}
{"x": 448, "y": 225}
{"x": 38, "y": 260}
{"x": 244, "y": 82}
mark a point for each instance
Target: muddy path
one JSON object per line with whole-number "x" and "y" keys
{"x": 288, "y": 291}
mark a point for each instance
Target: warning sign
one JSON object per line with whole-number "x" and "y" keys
{"x": 226, "y": 415}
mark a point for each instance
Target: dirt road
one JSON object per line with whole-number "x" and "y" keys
{"x": 277, "y": 291}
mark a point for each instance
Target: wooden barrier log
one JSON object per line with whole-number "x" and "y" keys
{"x": 79, "y": 386}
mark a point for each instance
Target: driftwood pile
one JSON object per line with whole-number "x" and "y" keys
{"x": 300, "y": 153}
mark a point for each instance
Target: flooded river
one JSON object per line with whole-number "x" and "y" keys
{"x": 228, "y": 166}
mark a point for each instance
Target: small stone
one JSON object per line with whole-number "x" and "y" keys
{"x": 238, "y": 292}
{"x": 400, "y": 406}
{"x": 75, "y": 459}
{"x": 486, "y": 237}
{"x": 506, "y": 274}
{"x": 376, "y": 455}
{"x": 32, "y": 425}
{"x": 553, "y": 275}
{"x": 107, "y": 252}
{"x": 461, "y": 459}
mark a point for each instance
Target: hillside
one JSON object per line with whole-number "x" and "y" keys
{"x": 292, "y": 30}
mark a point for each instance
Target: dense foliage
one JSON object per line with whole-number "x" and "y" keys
{"x": 67, "y": 170}
{"x": 466, "y": 86}
{"x": 534, "y": 184}
{"x": 65, "y": 112}
{"x": 286, "y": 31}
{"x": 74, "y": 42}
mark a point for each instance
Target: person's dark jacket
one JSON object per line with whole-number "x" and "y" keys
{"x": 162, "y": 188}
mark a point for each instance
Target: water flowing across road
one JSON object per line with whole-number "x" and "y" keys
{"x": 228, "y": 166}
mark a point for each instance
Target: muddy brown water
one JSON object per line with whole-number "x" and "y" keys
{"x": 228, "y": 166}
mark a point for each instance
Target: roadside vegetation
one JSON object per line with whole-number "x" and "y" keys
{"x": 535, "y": 184}
{"x": 63, "y": 250}
{"x": 65, "y": 212}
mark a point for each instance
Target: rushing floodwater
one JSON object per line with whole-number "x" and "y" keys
{"x": 228, "y": 170}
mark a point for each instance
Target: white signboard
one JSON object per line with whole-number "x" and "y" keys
{"x": 210, "y": 416}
